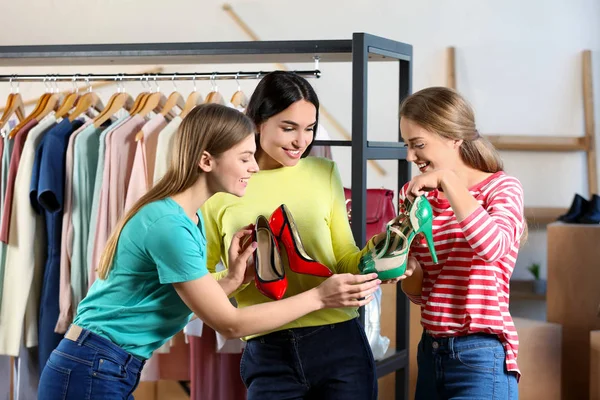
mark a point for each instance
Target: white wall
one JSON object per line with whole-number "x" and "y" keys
{"x": 518, "y": 62}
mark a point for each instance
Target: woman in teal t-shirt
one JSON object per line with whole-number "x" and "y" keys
{"x": 153, "y": 270}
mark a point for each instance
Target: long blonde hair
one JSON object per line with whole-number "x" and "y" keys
{"x": 209, "y": 127}
{"x": 445, "y": 112}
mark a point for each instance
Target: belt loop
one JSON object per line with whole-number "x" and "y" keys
{"x": 82, "y": 336}
{"x": 129, "y": 358}
{"x": 451, "y": 345}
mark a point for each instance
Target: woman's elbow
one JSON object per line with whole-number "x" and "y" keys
{"x": 230, "y": 333}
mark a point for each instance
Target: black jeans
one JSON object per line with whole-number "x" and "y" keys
{"x": 325, "y": 362}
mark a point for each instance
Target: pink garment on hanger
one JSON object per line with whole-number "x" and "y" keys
{"x": 65, "y": 316}
{"x": 118, "y": 161}
{"x": 142, "y": 173}
{"x": 215, "y": 376}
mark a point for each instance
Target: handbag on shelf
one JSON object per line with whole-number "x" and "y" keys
{"x": 380, "y": 209}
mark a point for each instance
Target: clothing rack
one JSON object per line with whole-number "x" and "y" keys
{"x": 177, "y": 76}
{"x": 360, "y": 51}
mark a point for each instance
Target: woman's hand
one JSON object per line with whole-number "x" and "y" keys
{"x": 411, "y": 265}
{"x": 425, "y": 183}
{"x": 347, "y": 290}
{"x": 240, "y": 253}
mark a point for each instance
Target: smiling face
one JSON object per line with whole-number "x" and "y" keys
{"x": 231, "y": 171}
{"x": 285, "y": 136}
{"x": 428, "y": 150}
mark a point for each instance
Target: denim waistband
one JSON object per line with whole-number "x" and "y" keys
{"x": 459, "y": 343}
{"x": 85, "y": 337}
{"x": 290, "y": 335}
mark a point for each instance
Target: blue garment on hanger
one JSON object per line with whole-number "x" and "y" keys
{"x": 46, "y": 196}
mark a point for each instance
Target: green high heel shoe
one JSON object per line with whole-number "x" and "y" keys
{"x": 389, "y": 257}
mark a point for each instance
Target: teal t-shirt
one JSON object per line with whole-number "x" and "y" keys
{"x": 137, "y": 307}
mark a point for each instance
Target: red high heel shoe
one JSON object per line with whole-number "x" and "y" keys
{"x": 270, "y": 277}
{"x": 284, "y": 228}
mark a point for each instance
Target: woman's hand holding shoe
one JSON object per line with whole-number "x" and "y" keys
{"x": 347, "y": 290}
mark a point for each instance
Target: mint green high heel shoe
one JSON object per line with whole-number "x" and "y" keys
{"x": 389, "y": 257}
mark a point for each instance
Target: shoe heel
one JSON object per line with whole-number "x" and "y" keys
{"x": 427, "y": 232}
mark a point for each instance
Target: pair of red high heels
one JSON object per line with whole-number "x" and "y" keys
{"x": 270, "y": 278}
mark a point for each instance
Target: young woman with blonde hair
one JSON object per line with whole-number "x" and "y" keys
{"x": 153, "y": 271}
{"x": 469, "y": 345}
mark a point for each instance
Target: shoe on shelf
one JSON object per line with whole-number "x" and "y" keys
{"x": 269, "y": 276}
{"x": 591, "y": 215}
{"x": 389, "y": 257}
{"x": 284, "y": 228}
{"x": 579, "y": 207}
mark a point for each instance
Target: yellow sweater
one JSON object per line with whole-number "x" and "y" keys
{"x": 313, "y": 192}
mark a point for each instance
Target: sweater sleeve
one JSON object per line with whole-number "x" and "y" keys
{"x": 346, "y": 252}
{"x": 492, "y": 229}
{"x": 215, "y": 246}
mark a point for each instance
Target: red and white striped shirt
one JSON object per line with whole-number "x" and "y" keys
{"x": 468, "y": 290}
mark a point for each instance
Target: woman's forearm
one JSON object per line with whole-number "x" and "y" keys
{"x": 264, "y": 317}
{"x": 229, "y": 285}
{"x": 462, "y": 201}
{"x": 413, "y": 284}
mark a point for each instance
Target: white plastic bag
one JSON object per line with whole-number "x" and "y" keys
{"x": 379, "y": 344}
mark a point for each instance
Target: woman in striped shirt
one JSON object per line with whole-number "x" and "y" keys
{"x": 469, "y": 345}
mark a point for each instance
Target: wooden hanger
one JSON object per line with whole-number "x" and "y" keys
{"x": 214, "y": 96}
{"x": 154, "y": 102}
{"x": 14, "y": 105}
{"x": 67, "y": 105}
{"x": 192, "y": 101}
{"x": 175, "y": 99}
{"x": 41, "y": 103}
{"x": 117, "y": 101}
{"x": 86, "y": 101}
{"x": 239, "y": 98}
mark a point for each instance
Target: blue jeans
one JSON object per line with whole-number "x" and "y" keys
{"x": 89, "y": 368}
{"x": 464, "y": 367}
{"x": 324, "y": 362}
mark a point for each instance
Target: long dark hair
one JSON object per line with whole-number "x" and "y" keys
{"x": 277, "y": 91}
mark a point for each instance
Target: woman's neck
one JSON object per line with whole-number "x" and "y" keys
{"x": 193, "y": 198}
{"x": 266, "y": 162}
{"x": 470, "y": 176}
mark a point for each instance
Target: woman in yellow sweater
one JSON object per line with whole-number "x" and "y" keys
{"x": 325, "y": 354}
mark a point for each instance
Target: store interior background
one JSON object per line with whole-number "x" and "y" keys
{"x": 519, "y": 64}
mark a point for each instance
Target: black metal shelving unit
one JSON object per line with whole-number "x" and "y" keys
{"x": 361, "y": 50}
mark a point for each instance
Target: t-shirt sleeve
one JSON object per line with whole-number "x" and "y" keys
{"x": 35, "y": 177}
{"x": 178, "y": 251}
{"x": 52, "y": 176}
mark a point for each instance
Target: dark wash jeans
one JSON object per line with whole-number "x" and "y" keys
{"x": 89, "y": 368}
{"x": 464, "y": 367}
{"x": 325, "y": 362}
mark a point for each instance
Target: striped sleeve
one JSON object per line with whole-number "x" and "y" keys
{"x": 492, "y": 231}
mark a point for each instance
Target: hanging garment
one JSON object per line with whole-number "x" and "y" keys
{"x": 215, "y": 376}
{"x": 142, "y": 172}
{"x": 88, "y": 255}
{"x": 321, "y": 151}
{"x": 5, "y": 366}
{"x": 119, "y": 153}
{"x": 15, "y": 158}
{"x": 85, "y": 161}
{"x": 163, "y": 148}
{"x": 65, "y": 316}
{"x": 24, "y": 255}
{"x": 6, "y": 151}
{"x": 47, "y": 198}
{"x": 26, "y": 374}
